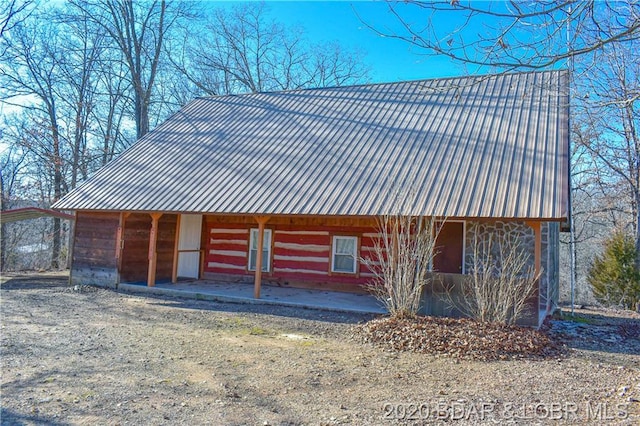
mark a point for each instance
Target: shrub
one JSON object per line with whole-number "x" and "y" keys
{"x": 402, "y": 256}
{"x": 613, "y": 276}
{"x": 500, "y": 281}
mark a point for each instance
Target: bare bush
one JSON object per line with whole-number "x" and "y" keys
{"x": 500, "y": 281}
{"x": 401, "y": 262}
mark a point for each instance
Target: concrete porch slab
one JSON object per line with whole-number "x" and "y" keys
{"x": 269, "y": 295}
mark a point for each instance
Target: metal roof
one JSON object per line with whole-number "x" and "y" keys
{"x": 27, "y": 213}
{"x": 483, "y": 146}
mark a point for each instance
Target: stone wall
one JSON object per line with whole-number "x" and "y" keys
{"x": 549, "y": 232}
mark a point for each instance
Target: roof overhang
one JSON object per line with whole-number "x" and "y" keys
{"x": 17, "y": 215}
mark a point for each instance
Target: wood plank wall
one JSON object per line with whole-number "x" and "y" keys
{"x": 94, "y": 249}
{"x": 135, "y": 255}
{"x": 165, "y": 246}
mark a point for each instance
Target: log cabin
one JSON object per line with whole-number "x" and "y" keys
{"x": 294, "y": 181}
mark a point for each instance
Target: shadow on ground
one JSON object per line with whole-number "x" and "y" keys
{"x": 8, "y": 417}
{"x": 34, "y": 282}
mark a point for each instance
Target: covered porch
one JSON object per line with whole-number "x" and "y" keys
{"x": 239, "y": 292}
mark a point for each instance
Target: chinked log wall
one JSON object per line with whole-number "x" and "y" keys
{"x": 300, "y": 250}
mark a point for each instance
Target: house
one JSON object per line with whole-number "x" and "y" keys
{"x": 295, "y": 180}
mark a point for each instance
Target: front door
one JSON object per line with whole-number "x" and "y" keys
{"x": 189, "y": 246}
{"x": 450, "y": 249}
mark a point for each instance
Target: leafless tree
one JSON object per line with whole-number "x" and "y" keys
{"x": 402, "y": 257}
{"x": 13, "y": 12}
{"x": 138, "y": 30}
{"x": 109, "y": 116}
{"x": 512, "y": 34}
{"x": 607, "y": 128}
{"x": 500, "y": 282}
{"x": 32, "y": 71}
{"x": 241, "y": 50}
{"x": 11, "y": 165}
{"x": 78, "y": 87}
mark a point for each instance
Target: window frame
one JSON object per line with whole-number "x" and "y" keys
{"x": 266, "y": 247}
{"x": 334, "y": 246}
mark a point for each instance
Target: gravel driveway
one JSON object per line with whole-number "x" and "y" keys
{"x": 100, "y": 357}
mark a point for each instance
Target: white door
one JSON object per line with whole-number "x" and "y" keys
{"x": 189, "y": 245}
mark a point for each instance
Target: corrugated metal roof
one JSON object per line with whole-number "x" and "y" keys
{"x": 487, "y": 146}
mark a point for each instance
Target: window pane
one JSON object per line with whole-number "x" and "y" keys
{"x": 252, "y": 259}
{"x": 254, "y": 239}
{"x": 265, "y": 260}
{"x": 343, "y": 263}
{"x": 253, "y": 250}
{"x": 345, "y": 246}
{"x": 344, "y": 254}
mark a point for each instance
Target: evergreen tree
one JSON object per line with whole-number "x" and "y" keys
{"x": 614, "y": 278}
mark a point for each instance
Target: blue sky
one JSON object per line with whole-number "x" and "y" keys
{"x": 389, "y": 59}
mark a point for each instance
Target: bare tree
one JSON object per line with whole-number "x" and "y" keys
{"x": 109, "y": 115}
{"x": 512, "y": 34}
{"x": 13, "y": 12}
{"x": 11, "y": 165}
{"x": 241, "y": 50}
{"x": 139, "y": 30}
{"x": 401, "y": 262}
{"x": 32, "y": 70}
{"x": 501, "y": 280}
{"x": 607, "y": 128}
{"x": 77, "y": 87}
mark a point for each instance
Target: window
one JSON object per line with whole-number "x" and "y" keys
{"x": 266, "y": 250}
{"x": 344, "y": 254}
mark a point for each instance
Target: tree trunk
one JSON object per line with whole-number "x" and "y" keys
{"x": 142, "y": 115}
{"x": 57, "y": 187}
{"x": 3, "y": 227}
{"x": 637, "y": 235}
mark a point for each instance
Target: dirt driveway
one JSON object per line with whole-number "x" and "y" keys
{"x": 100, "y": 357}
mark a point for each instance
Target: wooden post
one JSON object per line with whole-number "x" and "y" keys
{"x": 537, "y": 247}
{"x": 119, "y": 240}
{"x": 176, "y": 253}
{"x": 258, "y": 277}
{"x": 537, "y": 256}
{"x": 153, "y": 256}
{"x": 72, "y": 244}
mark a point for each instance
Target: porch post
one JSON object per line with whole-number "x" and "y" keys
{"x": 176, "y": 253}
{"x": 153, "y": 255}
{"x": 537, "y": 247}
{"x": 258, "y": 277}
{"x": 119, "y": 240}
{"x": 537, "y": 256}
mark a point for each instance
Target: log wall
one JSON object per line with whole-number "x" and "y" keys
{"x": 165, "y": 245}
{"x": 135, "y": 253}
{"x": 94, "y": 249}
{"x": 300, "y": 250}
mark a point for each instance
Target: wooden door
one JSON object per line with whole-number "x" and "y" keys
{"x": 189, "y": 246}
{"x": 450, "y": 249}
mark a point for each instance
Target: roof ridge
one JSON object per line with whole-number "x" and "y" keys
{"x": 477, "y": 77}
